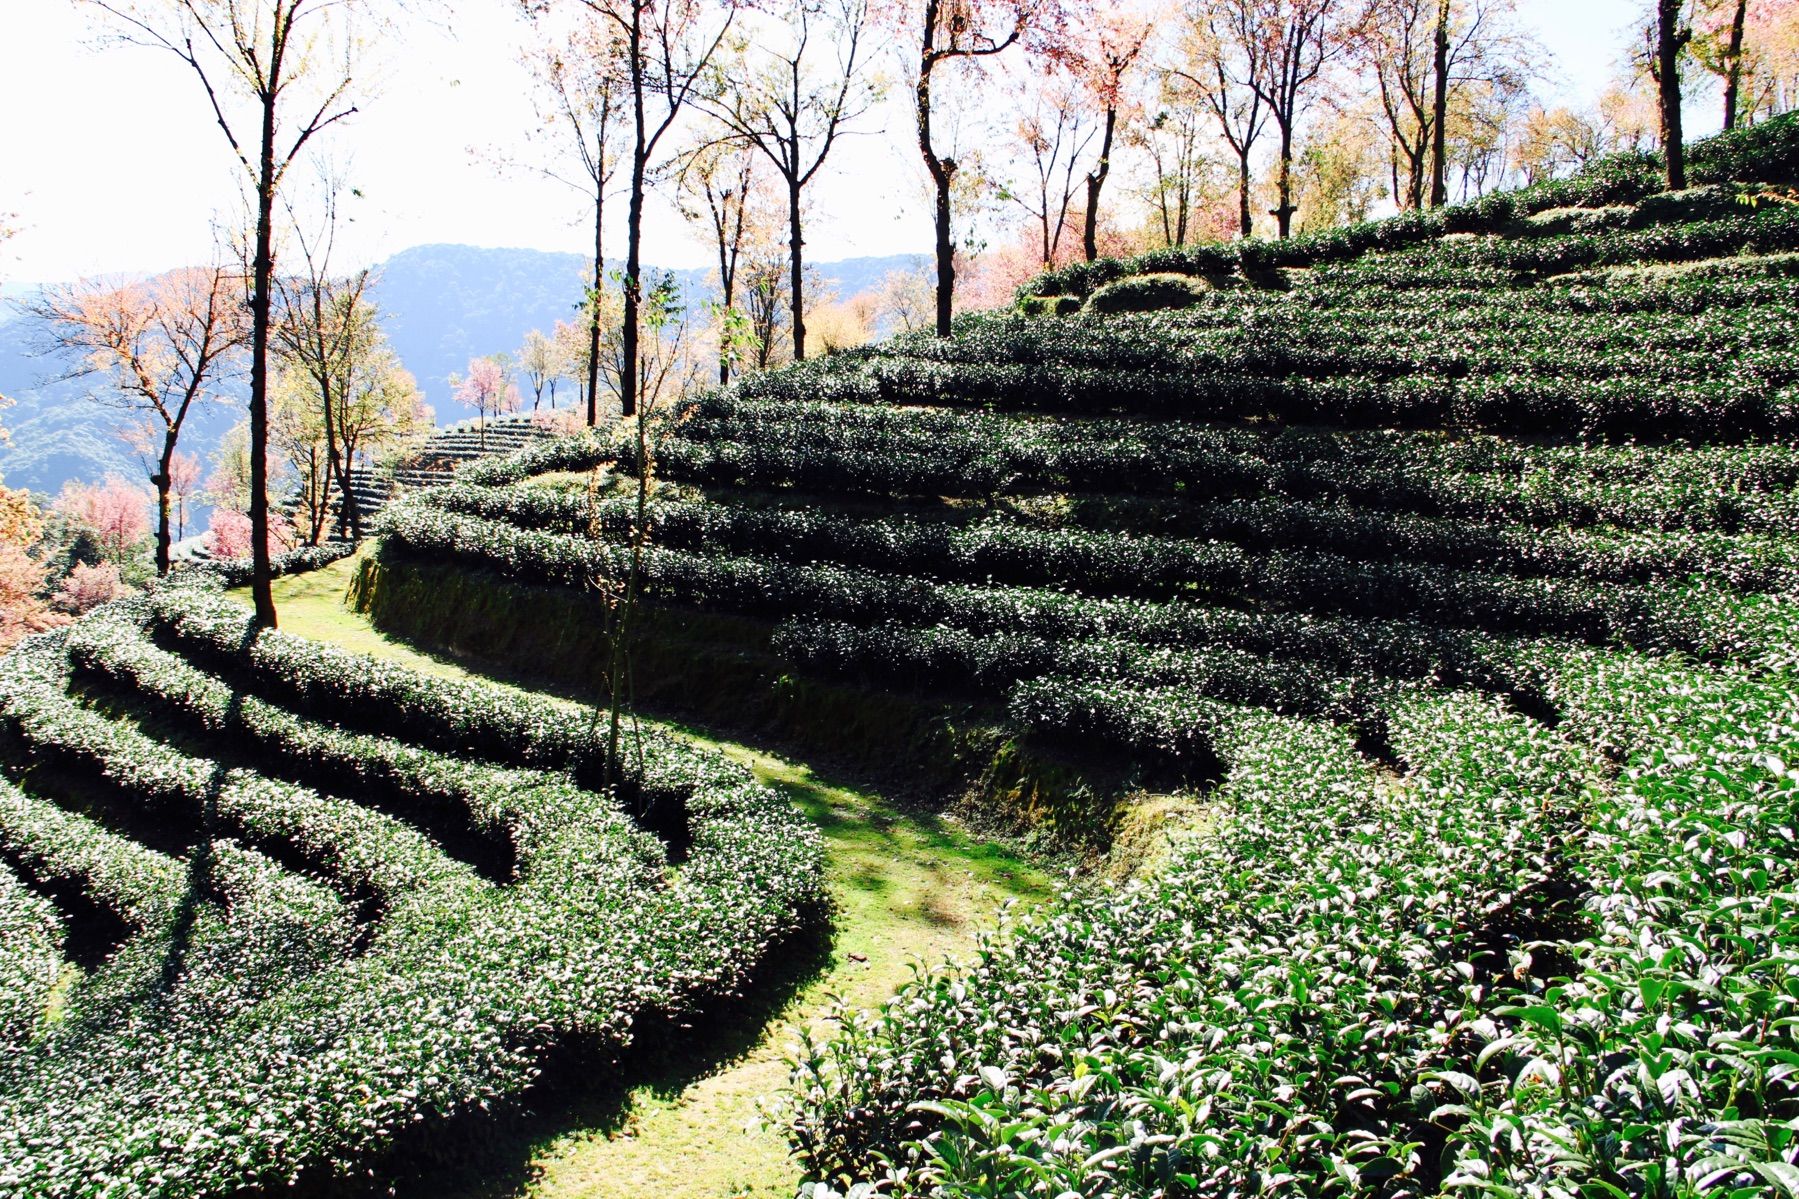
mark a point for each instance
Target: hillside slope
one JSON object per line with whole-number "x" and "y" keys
{"x": 1448, "y": 563}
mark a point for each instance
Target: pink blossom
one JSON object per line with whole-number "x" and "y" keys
{"x": 87, "y": 587}
{"x": 116, "y": 512}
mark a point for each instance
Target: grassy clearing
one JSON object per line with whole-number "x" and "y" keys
{"x": 908, "y": 886}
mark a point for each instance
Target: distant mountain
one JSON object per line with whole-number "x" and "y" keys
{"x": 442, "y": 306}
{"x": 58, "y": 432}
{"x": 447, "y": 304}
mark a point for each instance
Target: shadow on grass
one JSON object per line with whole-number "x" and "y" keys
{"x": 841, "y": 804}
{"x": 489, "y": 1154}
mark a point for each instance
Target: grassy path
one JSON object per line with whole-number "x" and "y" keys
{"x": 908, "y": 886}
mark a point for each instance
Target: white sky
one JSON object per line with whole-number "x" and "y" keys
{"x": 110, "y": 163}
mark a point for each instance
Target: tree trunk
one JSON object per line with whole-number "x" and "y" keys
{"x": 627, "y": 375}
{"x": 1283, "y": 212}
{"x": 1669, "y": 40}
{"x": 1096, "y": 179}
{"x": 338, "y": 466}
{"x": 946, "y": 256}
{"x": 349, "y": 511}
{"x": 1245, "y": 222}
{"x": 627, "y": 381}
{"x": 260, "y": 308}
{"x": 1439, "y": 134}
{"x": 727, "y": 294}
{"x": 160, "y": 481}
{"x": 1733, "y": 79}
{"x": 593, "y": 321}
{"x": 942, "y": 174}
{"x": 795, "y": 252}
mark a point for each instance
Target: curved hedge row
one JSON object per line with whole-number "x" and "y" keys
{"x": 1338, "y": 993}
{"x": 1764, "y": 153}
{"x": 1696, "y": 619}
{"x": 816, "y": 447}
{"x": 1174, "y": 1036}
{"x": 29, "y": 961}
{"x": 1140, "y": 547}
{"x": 277, "y": 1048}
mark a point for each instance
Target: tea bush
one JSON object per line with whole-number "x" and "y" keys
{"x": 298, "y": 979}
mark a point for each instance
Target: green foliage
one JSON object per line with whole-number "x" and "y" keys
{"x": 1457, "y": 579}
{"x": 303, "y": 979}
{"x": 1147, "y": 293}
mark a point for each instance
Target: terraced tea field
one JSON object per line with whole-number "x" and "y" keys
{"x": 310, "y": 900}
{"x": 1449, "y": 561}
{"x": 1439, "y": 573}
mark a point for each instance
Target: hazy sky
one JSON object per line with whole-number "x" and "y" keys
{"x": 110, "y": 163}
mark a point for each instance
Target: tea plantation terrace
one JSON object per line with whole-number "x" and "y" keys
{"x": 1448, "y": 565}
{"x": 431, "y": 463}
{"x": 312, "y": 906}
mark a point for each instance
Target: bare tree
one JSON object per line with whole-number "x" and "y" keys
{"x": 324, "y": 330}
{"x": 666, "y": 47}
{"x": 1422, "y": 55}
{"x": 1056, "y": 131}
{"x": 761, "y": 290}
{"x": 1226, "y": 68}
{"x": 1296, "y": 40}
{"x": 276, "y": 73}
{"x": 1173, "y": 139}
{"x": 537, "y": 360}
{"x": 717, "y": 186}
{"x": 792, "y": 99}
{"x": 582, "y": 89}
{"x": 161, "y": 346}
{"x": 950, "y": 31}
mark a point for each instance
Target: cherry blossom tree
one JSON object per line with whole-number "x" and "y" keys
{"x": 23, "y": 574}
{"x": 228, "y": 534}
{"x": 1104, "y": 43}
{"x": 115, "y": 511}
{"x": 86, "y": 587}
{"x": 1750, "y": 46}
{"x": 160, "y": 349}
{"x": 487, "y": 389}
{"x": 22, "y": 609}
{"x": 185, "y": 473}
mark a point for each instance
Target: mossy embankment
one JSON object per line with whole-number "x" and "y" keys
{"x": 722, "y": 672}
